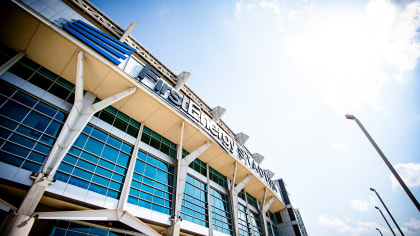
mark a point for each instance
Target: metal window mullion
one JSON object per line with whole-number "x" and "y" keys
{"x": 130, "y": 170}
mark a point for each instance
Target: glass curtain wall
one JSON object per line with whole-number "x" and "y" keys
{"x": 152, "y": 186}
{"x": 194, "y": 202}
{"x": 221, "y": 213}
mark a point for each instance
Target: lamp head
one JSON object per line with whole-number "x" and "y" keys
{"x": 350, "y": 117}
{"x": 372, "y": 189}
{"x": 377, "y": 207}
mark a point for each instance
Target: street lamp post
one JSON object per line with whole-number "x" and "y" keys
{"x": 386, "y": 208}
{"x": 394, "y": 172}
{"x": 385, "y": 220}
{"x": 379, "y": 231}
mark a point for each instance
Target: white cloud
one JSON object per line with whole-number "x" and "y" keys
{"x": 357, "y": 54}
{"x": 412, "y": 227}
{"x": 338, "y": 146}
{"x": 359, "y": 205}
{"x": 338, "y": 225}
{"x": 334, "y": 223}
{"x": 409, "y": 172}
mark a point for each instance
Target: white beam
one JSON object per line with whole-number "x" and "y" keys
{"x": 80, "y": 114}
{"x": 258, "y": 157}
{"x": 182, "y": 79}
{"x": 128, "y": 31}
{"x": 11, "y": 62}
{"x": 269, "y": 173}
{"x": 129, "y": 175}
{"x": 263, "y": 214}
{"x": 267, "y": 206}
{"x": 100, "y": 215}
{"x": 217, "y": 113}
{"x": 242, "y": 184}
{"x": 241, "y": 138}
{"x": 182, "y": 174}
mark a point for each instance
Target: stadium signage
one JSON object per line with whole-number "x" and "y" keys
{"x": 152, "y": 79}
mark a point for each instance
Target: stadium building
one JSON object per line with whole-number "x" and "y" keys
{"x": 98, "y": 137}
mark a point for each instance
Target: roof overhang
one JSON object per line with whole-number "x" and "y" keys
{"x": 47, "y": 44}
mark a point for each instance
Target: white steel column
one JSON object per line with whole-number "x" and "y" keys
{"x": 234, "y": 192}
{"x": 128, "y": 31}
{"x": 181, "y": 179}
{"x": 209, "y": 202}
{"x": 11, "y": 62}
{"x": 263, "y": 212}
{"x": 129, "y": 176}
{"x": 80, "y": 114}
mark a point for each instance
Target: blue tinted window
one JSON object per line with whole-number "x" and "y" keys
{"x": 195, "y": 202}
{"x": 14, "y": 111}
{"x": 25, "y": 99}
{"x": 37, "y": 121}
{"x": 86, "y": 165}
{"x": 80, "y": 141}
{"x": 110, "y": 153}
{"x": 98, "y": 166}
{"x": 82, "y": 174}
{"x": 45, "y": 109}
{"x": 94, "y": 146}
{"x": 152, "y": 191}
{"x": 123, "y": 159}
{"x": 150, "y": 171}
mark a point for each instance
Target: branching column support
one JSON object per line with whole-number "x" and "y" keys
{"x": 129, "y": 175}
{"x": 234, "y": 192}
{"x": 181, "y": 179}
{"x": 263, "y": 211}
{"x": 80, "y": 114}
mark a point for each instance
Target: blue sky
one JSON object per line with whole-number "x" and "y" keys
{"x": 287, "y": 72}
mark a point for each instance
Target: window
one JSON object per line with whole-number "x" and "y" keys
{"x": 194, "y": 202}
{"x": 256, "y": 223}
{"x": 97, "y": 161}
{"x": 217, "y": 177}
{"x": 251, "y": 200}
{"x": 119, "y": 120}
{"x": 28, "y": 128}
{"x": 159, "y": 142}
{"x": 199, "y": 166}
{"x": 45, "y": 79}
{"x": 243, "y": 225}
{"x": 271, "y": 224}
{"x": 220, "y": 208}
{"x": 71, "y": 228}
{"x": 152, "y": 184}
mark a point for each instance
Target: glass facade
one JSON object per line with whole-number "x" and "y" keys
{"x": 243, "y": 225}
{"x": 220, "y": 209}
{"x": 65, "y": 228}
{"x": 159, "y": 142}
{"x": 152, "y": 186}
{"x": 199, "y": 166}
{"x": 256, "y": 224}
{"x": 97, "y": 161}
{"x": 217, "y": 177}
{"x": 119, "y": 120}
{"x": 28, "y": 128}
{"x": 44, "y": 79}
{"x": 194, "y": 202}
{"x": 271, "y": 224}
